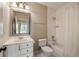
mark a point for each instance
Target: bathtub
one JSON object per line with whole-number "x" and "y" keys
{"x": 58, "y": 50}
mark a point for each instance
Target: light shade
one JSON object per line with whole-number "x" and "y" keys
{"x": 21, "y": 5}
{"x": 27, "y": 7}
{"x": 14, "y": 4}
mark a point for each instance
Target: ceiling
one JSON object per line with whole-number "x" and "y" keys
{"x": 53, "y": 4}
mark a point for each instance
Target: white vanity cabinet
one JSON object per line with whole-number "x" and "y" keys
{"x": 20, "y": 50}
{"x": 16, "y": 48}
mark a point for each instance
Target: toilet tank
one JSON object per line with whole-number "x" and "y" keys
{"x": 42, "y": 42}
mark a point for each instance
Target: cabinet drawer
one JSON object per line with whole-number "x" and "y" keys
{"x": 26, "y": 50}
{"x": 27, "y": 55}
{"x": 26, "y": 45}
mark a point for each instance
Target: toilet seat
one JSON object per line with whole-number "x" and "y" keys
{"x": 47, "y": 49}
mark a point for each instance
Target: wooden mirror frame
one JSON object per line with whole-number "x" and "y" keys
{"x": 11, "y": 20}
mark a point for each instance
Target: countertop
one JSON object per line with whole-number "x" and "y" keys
{"x": 16, "y": 40}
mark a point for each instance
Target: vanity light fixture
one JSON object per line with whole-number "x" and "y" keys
{"x": 14, "y": 4}
{"x": 27, "y": 7}
{"x": 22, "y": 5}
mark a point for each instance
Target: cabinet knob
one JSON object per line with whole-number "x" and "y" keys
{"x": 19, "y": 47}
{"x": 27, "y": 50}
{"x": 27, "y": 45}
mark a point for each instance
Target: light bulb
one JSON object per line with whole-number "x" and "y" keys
{"x": 14, "y": 4}
{"x": 27, "y": 7}
{"x": 21, "y": 5}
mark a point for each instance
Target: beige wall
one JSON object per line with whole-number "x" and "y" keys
{"x": 51, "y": 24}
{"x": 38, "y": 21}
{"x": 5, "y": 20}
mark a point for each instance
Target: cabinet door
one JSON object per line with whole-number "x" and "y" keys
{"x": 12, "y": 50}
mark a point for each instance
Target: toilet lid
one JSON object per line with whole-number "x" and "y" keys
{"x": 47, "y": 49}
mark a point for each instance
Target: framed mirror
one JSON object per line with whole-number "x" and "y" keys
{"x": 20, "y": 23}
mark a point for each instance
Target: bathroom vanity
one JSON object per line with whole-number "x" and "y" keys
{"x": 20, "y": 43}
{"x": 19, "y": 47}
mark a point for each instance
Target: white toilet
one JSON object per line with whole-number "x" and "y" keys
{"x": 47, "y": 51}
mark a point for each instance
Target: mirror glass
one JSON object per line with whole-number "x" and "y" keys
{"x": 20, "y": 23}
